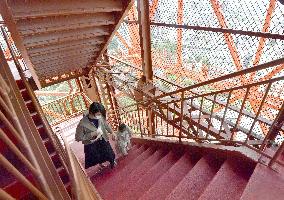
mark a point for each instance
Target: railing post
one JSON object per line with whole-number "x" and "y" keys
{"x": 276, "y": 155}
{"x": 79, "y": 84}
{"x": 151, "y": 121}
{"x": 181, "y": 115}
{"x": 275, "y": 128}
{"x": 139, "y": 120}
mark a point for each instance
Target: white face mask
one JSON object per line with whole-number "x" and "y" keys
{"x": 98, "y": 117}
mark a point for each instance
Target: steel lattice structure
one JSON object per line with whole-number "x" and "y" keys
{"x": 193, "y": 41}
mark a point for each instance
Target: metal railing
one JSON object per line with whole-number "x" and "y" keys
{"x": 197, "y": 113}
{"x": 82, "y": 187}
{"x": 65, "y": 108}
{"x": 30, "y": 149}
{"x": 16, "y": 130}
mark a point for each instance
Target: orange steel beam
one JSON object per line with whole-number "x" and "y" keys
{"x": 273, "y": 72}
{"x": 57, "y": 115}
{"x": 179, "y": 33}
{"x": 50, "y": 93}
{"x": 132, "y": 15}
{"x": 266, "y": 77}
{"x": 70, "y": 86}
{"x": 217, "y": 30}
{"x": 6, "y": 14}
{"x": 122, "y": 40}
{"x": 228, "y": 37}
{"x": 134, "y": 35}
{"x": 131, "y": 49}
{"x": 153, "y": 9}
{"x": 265, "y": 28}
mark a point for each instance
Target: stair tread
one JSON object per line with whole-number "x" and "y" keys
{"x": 194, "y": 183}
{"x": 59, "y": 168}
{"x": 137, "y": 189}
{"x": 33, "y": 114}
{"x": 39, "y": 126}
{"x": 228, "y": 184}
{"x": 107, "y": 189}
{"x": 264, "y": 184}
{"x": 165, "y": 184}
{"x": 28, "y": 101}
{"x": 46, "y": 140}
{"x": 100, "y": 178}
{"x": 53, "y": 154}
{"x": 142, "y": 169}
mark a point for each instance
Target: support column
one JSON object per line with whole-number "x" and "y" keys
{"x": 111, "y": 92}
{"x": 145, "y": 35}
{"x": 90, "y": 87}
{"x": 146, "y": 40}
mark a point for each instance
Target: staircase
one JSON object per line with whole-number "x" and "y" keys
{"x": 45, "y": 139}
{"x": 8, "y": 182}
{"x": 171, "y": 171}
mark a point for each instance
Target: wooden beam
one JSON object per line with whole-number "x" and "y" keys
{"x": 50, "y": 93}
{"x": 62, "y": 67}
{"x": 62, "y": 23}
{"x": 78, "y": 44}
{"x": 60, "y": 78}
{"x": 39, "y": 9}
{"x": 64, "y": 55}
{"x": 145, "y": 25}
{"x": 7, "y": 16}
{"x": 59, "y": 37}
{"x": 120, "y": 19}
{"x": 140, "y": 30}
{"x": 64, "y": 59}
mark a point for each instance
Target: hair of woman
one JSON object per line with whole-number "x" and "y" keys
{"x": 94, "y": 108}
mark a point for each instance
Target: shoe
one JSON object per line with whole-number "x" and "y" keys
{"x": 101, "y": 166}
{"x": 112, "y": 165}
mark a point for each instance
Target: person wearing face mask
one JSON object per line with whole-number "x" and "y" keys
{"x": 93, "y": 131}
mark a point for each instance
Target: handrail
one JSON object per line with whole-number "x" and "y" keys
{"x": 46, "y": 125}
{"x": 228, "y": 76}
{"x": 196, "y": 94}
{"x": 12, "y": 146}
{"x": 61, "y": 98}
{"x": 46, "y": 163}
{"x": 252, "y": 144}
{"x": 82, "y": 187}
{"x": 167, "y": 81}
{"x": 60, "y": 107}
